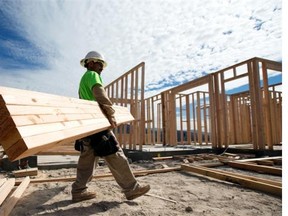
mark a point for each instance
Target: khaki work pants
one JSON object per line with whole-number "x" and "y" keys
{"x": 117, "y": 163}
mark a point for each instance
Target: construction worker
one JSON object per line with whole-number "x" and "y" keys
{"x": 93, "y": 147}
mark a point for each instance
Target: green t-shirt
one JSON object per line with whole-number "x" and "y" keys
{"x": 88, "y": 81}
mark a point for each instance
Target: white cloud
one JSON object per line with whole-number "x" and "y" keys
{"x": 172, "y": 37}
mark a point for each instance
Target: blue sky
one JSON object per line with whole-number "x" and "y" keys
{"x": 42, "y": 42}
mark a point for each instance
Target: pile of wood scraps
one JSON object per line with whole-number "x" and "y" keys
{"x": 9, "y": 194}
{"x": 11, "y": 189}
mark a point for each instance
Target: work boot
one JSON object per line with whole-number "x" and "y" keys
{"x": 85, "y": 195}
{"x": 139, "y": 191}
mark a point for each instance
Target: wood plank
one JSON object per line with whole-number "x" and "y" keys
{"x": 267, "y": 108}
{"x": 38, "y": 110}
{"x": 6, "y": 188}
{"x": 46, "y": 118}
{"x": 277, "y": 161}
{"x": 31, "y": 130}
{"x": 106, "y": 175}
{"x": 258, "y": 159}
{"x": 272, "y": 182}
{"x": 257, "y": 168}
{"x": 199, "y": 119}
{"x": 13, "y": 199}
{"x": 25, "y": 172}
{"x": 2, "y": 181}
{"x": 215, "y": 164}
{"x": 265, "y": 162}
{"x": 277, "y": 66}
{"x": 47, "y": 100}
{"x": 162, "y": 158}
{"x": 272, "y": 189}
{"x": 22, "y": 97}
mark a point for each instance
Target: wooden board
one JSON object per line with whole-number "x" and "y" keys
{"x": 25, "y": 172}
{"x": 31, "y": 122}
{"x": 6, "y": 188}
{"x": 13, "y": 199}
{"x": 256, "y": 168}
{"x": 230, "y": 177}
{"x": 105, "y": 175}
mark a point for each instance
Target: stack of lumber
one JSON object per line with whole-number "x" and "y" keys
{"x": 31, "y": 122}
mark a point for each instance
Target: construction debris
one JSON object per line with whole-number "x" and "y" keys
{"x": 11, "y": 201}
{"x": 5, "y": 188}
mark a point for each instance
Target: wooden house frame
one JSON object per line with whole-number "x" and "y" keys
{"x": 215, "y": 110}
{"x": 187, "y": 115}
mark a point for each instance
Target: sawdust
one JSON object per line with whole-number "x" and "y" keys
{"x": 172, "y": 193}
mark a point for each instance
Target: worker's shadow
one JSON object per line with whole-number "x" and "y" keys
{"x": 35, "y": 201}
{"x": 63, "y": 207}
{"x": 39, "y": 202}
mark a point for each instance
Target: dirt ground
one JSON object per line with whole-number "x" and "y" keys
{"x": 172, "y": 193}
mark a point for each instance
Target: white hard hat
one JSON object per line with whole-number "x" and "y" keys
{"x": 93, "y": 55}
